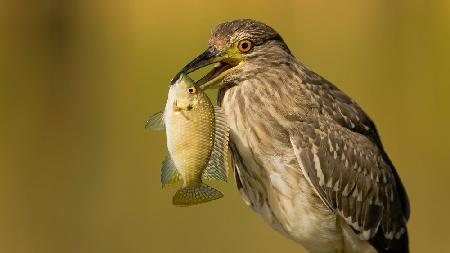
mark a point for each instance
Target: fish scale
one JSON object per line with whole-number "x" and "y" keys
{"x": 197, "y": 141}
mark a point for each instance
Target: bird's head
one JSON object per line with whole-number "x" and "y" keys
{"x": 233, "y": 47}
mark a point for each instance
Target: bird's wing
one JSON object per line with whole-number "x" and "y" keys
{"x": 341, "y": 108}
{"x": 350, "y": 174}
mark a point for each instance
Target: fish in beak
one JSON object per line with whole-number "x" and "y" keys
{"x": 225, "y": 62}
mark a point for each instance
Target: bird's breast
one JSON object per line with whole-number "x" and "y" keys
{"x": 259, "y": 136}
{"x": 267, "y": 168}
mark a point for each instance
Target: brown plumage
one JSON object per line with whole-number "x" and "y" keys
{"x": 306, "y": 156}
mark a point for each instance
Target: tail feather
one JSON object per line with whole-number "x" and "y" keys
{"x": 384, "y": 245}
{"x": 193, "y": 195}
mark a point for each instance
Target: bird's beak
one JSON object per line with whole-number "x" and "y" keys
{"x": 225, "y": 61}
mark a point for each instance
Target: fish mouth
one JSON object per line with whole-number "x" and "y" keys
{"x": 225, "y": 63}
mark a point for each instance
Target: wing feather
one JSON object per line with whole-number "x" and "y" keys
{"x": 352, "y": 177}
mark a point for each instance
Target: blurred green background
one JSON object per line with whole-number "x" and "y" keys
{"x": 78, "y": 79}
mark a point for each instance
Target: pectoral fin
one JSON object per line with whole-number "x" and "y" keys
{"x": 156, "y": 121}
{"x": 217, "y": 168}
{"x": 169, "y": 173}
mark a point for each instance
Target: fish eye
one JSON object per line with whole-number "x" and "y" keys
{"x": 245, "y": 45}
{"x": 192, "y": 90}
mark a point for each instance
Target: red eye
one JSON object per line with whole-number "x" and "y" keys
{"x": 192, "y": 90}
{"x": 245, "y": 45}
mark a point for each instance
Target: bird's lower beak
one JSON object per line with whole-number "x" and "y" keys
{"x": 225, "y": 64}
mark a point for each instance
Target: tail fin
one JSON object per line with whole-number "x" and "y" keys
{"x": 193, "y": 195}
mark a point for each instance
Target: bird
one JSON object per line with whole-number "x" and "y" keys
{"x": 305, "y": 155}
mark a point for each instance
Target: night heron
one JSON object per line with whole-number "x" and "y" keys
{"x": 306, "y": 157}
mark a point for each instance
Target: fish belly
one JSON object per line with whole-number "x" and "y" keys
{"x": 190, "y": 140}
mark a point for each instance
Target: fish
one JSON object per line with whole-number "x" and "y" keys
{"x": 197, "y": 143}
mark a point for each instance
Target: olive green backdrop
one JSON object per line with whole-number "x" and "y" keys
{"x": 78, "y": 79}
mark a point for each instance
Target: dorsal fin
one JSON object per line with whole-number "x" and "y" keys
{"x": 217, "y": 168}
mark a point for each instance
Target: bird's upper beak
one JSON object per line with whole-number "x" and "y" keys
{"x": 226, "y": 62}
